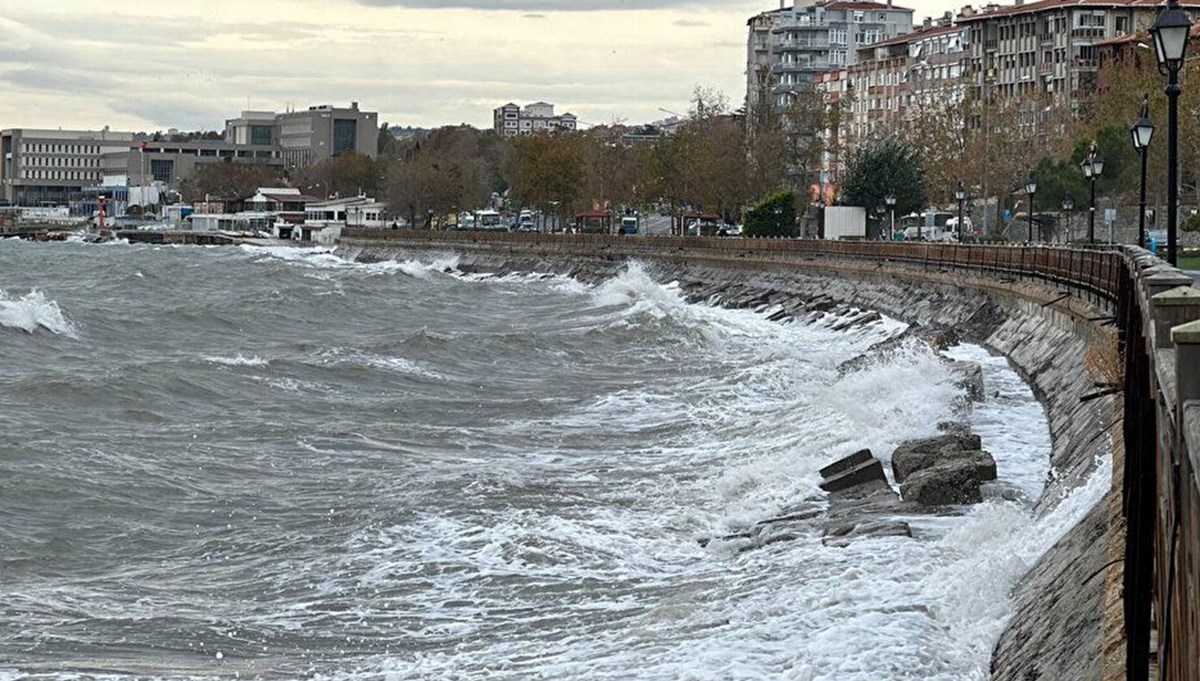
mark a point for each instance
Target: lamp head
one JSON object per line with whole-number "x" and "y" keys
{"x": 960, "y": 193}
{"x": 1068, "y": 204}
{"x": 1097, "y": 165}
{"x": 890, "y": 199}
{"x": 1170, "y": 33}
{"x": 1030, "y": 185}
{"x": 1143, "y": 131}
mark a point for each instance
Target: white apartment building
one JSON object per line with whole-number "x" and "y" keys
{"x": 510, "y": 120}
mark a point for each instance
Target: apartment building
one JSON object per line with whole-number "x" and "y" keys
{"x": 1048, "y": 47}
{"x": 510, "y": 120}
{"x": 788, "y": 48}
{"x": 894, "y": 79}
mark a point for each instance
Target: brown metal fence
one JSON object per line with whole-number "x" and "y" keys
{"x": 1095, "y": 270}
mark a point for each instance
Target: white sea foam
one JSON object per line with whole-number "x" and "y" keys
{"x": 34, "y": 311}
{"x": 930, "y": 607}
{"x": 238, "y": 360}
{"x": 326, "y": 258}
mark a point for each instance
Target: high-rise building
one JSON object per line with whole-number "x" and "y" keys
{"x": 789, "y": 47}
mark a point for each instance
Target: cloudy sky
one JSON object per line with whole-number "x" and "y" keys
{"x": 190, "y": 64}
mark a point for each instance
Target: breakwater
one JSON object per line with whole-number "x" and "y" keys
{"x": 1057, "y": 329}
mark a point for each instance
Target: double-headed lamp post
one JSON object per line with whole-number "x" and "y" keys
{"x": 890, "y": 200}
{"x": 1093, "y": 167}
{"x": 1141, "y": 132}
{"x": 960, "y": 195}
{"x": 1030, "y": 189}
{"x": 1170, "y": 33}
{"x": 1068, "y": 205}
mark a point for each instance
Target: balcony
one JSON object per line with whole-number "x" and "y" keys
{"x": 803, "y": 45}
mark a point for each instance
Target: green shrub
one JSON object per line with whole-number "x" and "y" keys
{"x": 1192, "y": 224}
{"x": 774, "y": 215}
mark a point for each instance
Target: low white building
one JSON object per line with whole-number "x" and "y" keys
{"x": 324, "y": 220}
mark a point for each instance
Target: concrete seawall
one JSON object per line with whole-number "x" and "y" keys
{"x": 1067, "y": 623}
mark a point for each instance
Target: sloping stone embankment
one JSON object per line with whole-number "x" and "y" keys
{"x": 1058, "y": 631}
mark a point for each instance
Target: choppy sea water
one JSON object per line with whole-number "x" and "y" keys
{"x": 275, "y": 463}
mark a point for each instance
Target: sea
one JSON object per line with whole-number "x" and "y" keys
{"x": 277, "y": 463}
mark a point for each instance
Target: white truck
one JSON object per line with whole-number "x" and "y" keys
{"x": 845, "y": 222}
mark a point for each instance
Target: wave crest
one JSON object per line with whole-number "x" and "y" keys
{"x": 34, "y": 311}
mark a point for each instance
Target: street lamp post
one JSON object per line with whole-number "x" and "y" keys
{"x": 1093, "y": 166}
{"x": 1030, "y": 189}
{"x": 890, "y": 200}
{"x": 1142, "y": 132}
{"x": 1068, "y": 205}
{"x": 1171, "y": 32}
{"x": 960, "y": 195}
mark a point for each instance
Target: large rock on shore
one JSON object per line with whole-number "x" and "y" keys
{"x": 947, "y": 483}
{"x": 943, "y": 470}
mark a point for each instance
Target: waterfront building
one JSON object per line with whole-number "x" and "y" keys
{"x": 510, "y": 119}
{"x": 40, "y": 167}
{"x": 788, "y": 48}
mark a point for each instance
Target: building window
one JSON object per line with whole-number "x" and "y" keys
{"x": 262, "y": 134}
{"x": 162, "y": 170}
{"x": 345, "y": 135}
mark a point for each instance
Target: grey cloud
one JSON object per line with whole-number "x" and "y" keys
{"x": 690, "y": 22}
{"x": 56, "y": 80}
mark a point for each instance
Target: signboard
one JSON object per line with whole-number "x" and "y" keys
{"x": 1110, "y": 214}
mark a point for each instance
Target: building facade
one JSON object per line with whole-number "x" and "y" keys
{"x": 51, "y": 167}
{"x": 321, "y": 132}
{"x": 895, "y": 79}
{"x": 788, "y": 48}
{"x": 511, "y": 120}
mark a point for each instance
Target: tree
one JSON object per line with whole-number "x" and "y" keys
{"x": 347, "y": 174}
{"x": 546, "y": 169}
{"x": 887, "y": 167}
{"x": 228, "y": 180}
{"x": 774, "y": 215}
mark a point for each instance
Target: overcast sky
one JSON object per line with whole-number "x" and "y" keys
{"x": 190, "y": 64}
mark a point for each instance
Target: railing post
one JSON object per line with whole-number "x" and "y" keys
{"x": 1171, "y": 308}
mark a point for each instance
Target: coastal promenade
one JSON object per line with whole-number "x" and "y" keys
{"x": 1119, "y": 596}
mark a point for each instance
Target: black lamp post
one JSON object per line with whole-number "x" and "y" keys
{"x": 890, "y": 200}
{"x": 1030, "y": 189}
{"x": 1170, "y": 43}
{"x": 1093, "y": 166}
{"x": 1141, "y": 132}
{"x": 1068, "y": 205}
{"x": 960, "y": 195}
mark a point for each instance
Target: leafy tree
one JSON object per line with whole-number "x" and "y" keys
{"x": 889, "y": 166}
{"x": 547, "y": 169}
{"x": 229, "y": 180}
{"x": 774, "y": 215}
{"x": 346, "y": 174}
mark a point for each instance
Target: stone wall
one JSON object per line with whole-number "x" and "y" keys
{"x": 1059, "y": 630}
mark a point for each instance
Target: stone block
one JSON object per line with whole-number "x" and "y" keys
{"x": 948, "y": 483}
{"x": 844, "y": 464}
{"x": 861, "y": 474}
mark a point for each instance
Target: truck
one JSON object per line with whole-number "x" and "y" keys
{"x": 845, "y": 222}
